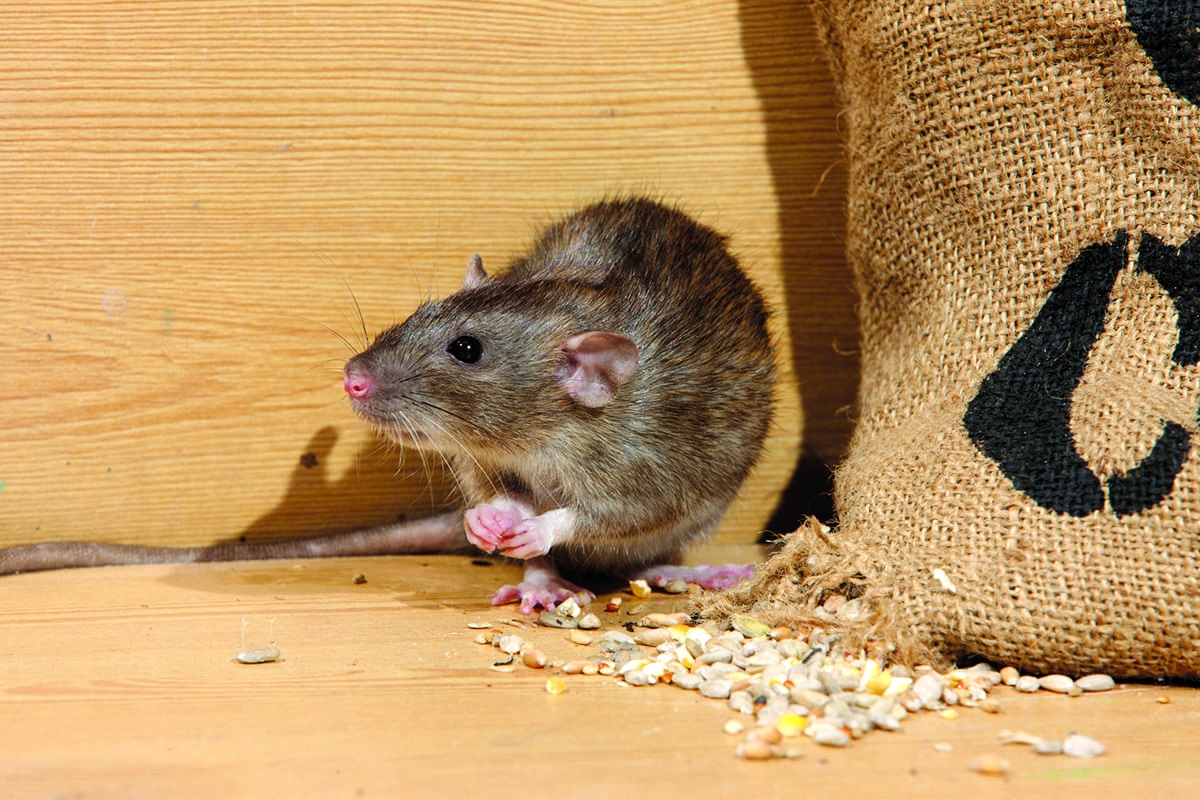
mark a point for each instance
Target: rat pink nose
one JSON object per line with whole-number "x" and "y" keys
{"x": 358, "y": 384}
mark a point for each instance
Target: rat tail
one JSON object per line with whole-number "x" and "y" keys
{"x": 442, "y": 533}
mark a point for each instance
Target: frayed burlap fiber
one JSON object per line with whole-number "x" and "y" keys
{"x": 1024, "y": 227}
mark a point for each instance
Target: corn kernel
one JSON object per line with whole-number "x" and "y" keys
{"x": 791, "y": 724}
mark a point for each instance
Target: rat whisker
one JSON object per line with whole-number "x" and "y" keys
{"x": 464, "y": 451}
{"x": 362, "y": 321}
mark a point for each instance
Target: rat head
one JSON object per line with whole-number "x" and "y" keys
{"x": 493, "y": 368}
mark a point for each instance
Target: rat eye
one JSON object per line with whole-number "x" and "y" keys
{"x": 466, "y": 349}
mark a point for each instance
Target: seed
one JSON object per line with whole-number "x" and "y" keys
{"x": 510, "y": 643}
{"x": 589, "y": 622}
{"x": 478, "y": 626}
{"x": 990, "y": 705}
{"x": 828, "y": 735}
{"x": 791, "y": 724}
{"x": 258, "y": 655}
{"x": 553, "y": 619}
{"x": 733, "y": 727}
{"x": 676, "y": 586}
{"x": 749, "y": 626}
{"x": 1009, "y": 675}
{"x": 755, "y": 751}
{"x": 1056, "y": 683}
{"x": 809, "y": 698}
{"x": 949, "y": 714}
{"x": 1018, "y": 737}
{"x": 741, "y": 702}
{"x": 359, "y": 579}
{"x": 1048, "y": 747}
{"x": 718, "y": 655}
{"x": 880, "y": 716}
{"x": 535, "y": 659}
{"x": 614, "y": 604}
{"x": 990, "y": 765}
{"x": 568, "y": 608}
{"x": 661, "y": 620}
{"x": 928, "y": 688}
{"x": 653, "y": 637}
{"x": 909, "y": 701}
{"x": 875, "y": 680}
{"x": 1081, "y": 746}
{"x": 780, "y": 632}
{"x": 716, "y": 689}
{"x": 636, "y": 677}
{"x": 1162, "y": 699}
{"x": 579, "y": 637}
{"x": 639, "y": 588}
{"x": 574, "y": 667}
{"x": 508, "y": 667}
{"x": 1027, "y": 683}
{"x": 555, "y": 686}
{"x": 768, "y": 734}
{"x": 630, "y": 666}
{"x": 1096, "y": 683}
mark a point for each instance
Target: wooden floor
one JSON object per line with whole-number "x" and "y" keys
{"x": 121, "y": 682}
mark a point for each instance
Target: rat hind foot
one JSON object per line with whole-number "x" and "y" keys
{"x": 542, "y": 588}
{"x": 705, "y": 576}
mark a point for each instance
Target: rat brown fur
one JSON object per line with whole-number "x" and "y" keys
{"x": 601, "y": 401}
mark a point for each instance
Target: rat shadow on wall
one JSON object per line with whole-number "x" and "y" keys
{"x": 799, "y": 104}
{"x": 367, "y": 495}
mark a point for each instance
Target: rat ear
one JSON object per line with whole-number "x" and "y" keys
{"x": 475, "y": 272}
{"x": 597, "y": 363}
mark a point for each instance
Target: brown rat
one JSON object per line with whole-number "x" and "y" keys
{"x": 600, "y": 402}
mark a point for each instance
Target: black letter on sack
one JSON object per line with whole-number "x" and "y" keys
{"x": 1021, "y": 416}
{"x": 1169, "y": 32}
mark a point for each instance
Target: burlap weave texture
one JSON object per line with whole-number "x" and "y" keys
{"x": 1024, "y": 227}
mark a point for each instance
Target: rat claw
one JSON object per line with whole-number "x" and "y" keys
{"x": 540, "y": 599}
{"x": 531, "y": 598}
{"x": 505, "y": 594}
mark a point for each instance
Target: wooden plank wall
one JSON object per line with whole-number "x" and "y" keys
{"x": 195, "y": 195}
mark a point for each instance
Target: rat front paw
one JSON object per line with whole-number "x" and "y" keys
{"x": 514, "y": 531}
{"x": 705, "y": 576}
{"x": 489, "y": 527}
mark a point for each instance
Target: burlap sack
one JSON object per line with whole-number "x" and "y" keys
{"x": 1024, "y": 225}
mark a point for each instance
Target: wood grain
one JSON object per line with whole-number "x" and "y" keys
{"x": 120, "y": 682}
{"x": 207, "y": 206}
